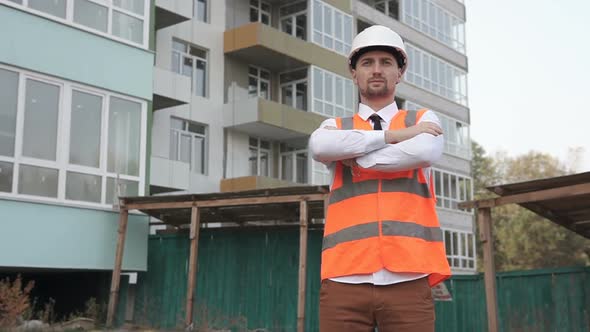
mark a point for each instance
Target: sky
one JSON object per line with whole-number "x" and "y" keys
{"x": 529, "y": 76}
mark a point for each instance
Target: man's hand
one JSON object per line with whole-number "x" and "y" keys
{"x": 350, "y": 163}
{"x": 426, "y": 127}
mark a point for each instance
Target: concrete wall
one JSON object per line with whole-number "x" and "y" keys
{"x": 206, "y": 110}
{"x": 48, "y": 236}
{"x": 52, "y": 48}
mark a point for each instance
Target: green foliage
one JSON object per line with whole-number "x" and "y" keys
{"x": 523, "y": 239}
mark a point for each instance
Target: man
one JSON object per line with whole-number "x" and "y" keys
{"x": 382, "y": 249}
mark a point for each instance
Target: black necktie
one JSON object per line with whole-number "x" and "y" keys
{"x": 376, "y": 122}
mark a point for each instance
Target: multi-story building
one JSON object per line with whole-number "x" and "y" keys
{"x": 264, "y": 74}
{"x": 76, "y": 104}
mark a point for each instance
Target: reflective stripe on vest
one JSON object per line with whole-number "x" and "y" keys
{"x": 390, "y": 228}
{"x": 351, "y": 189}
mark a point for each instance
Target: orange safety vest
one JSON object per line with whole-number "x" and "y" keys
{"x": 379, "y": 220}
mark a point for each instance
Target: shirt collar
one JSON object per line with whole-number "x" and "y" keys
{"x": 386, "y": 113}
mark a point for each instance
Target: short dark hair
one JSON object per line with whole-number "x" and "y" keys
{"x": 399, "y": 57}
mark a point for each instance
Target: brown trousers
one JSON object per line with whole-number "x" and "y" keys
{"x": 402, "y": 307}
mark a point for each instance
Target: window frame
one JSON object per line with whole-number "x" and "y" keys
{"x": 293, "y": 153}
{"x": 462, "y": 254}
{"x": 440, "y": 198}
{"x": 258, "y": 149}
{"x": 387, "y": 9}
{"x": 293, "y": 85}
{"x": 194, "y": 59}
{"x": 193, "y": 138}
{"x": 207, "y": 6}
{"x": 260, "y": 11}
{"x": 111, "y": 8}
{"x": 259, "y": 80}
{"x": 427, "y": 17}
{"x": 438, "y": 82}
{"x": 293, "y": 17}
{"x": 347, "y": 36}
{"x": 347, "y": 112}
{"x": 61, "y": 163}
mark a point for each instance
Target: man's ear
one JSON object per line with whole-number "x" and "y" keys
{"x": 353, "y": 74}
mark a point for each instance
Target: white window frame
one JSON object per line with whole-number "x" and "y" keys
{"x": 69, "y": 20}
{"x": 261, "y": 12}
{"x": 194, "y": 58}
{"x": 452, "y": 148}
{"x": 456, "y": 259}
{"x": 346, "y": 37}
{"x": 258, "y": 148}
{"x": 444, "y": 196}
{"x": 259, "y": 80}
{"x": 293, "y": 176}
{"x": 334, "y": 103}
{"x": 446, "y": 80}
{"x": 207, "y": 5}
{"x": 386, "y": 8}
{"x": 293, "y": 18}
{"x": 193, "y": 138}
{"x": 293, "y": 85}
{"x": 61, "y": 164}
{"x": 435, "y": 21}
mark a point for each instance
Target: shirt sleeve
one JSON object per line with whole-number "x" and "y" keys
{"x": 418, "y": 152}
{"x": 328, "y": 145}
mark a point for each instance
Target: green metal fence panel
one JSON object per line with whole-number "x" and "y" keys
{"x": 544, "y": 300}
{"x": 467, "y": 310}
{"x": 247, "y": 279}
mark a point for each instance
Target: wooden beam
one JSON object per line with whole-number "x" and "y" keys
{"x": 484, "y": 220}
{"x": 302, "y": 265}
{"x": 116, "y": 278}
{"x": 226, "y": 202}
{"x": 533, "y": 196}
{"x": 192, "y": 265}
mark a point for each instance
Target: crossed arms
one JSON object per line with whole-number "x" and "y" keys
{"x": 418, "y": 146}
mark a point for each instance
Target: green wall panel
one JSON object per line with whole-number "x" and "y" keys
{"x": 56, "y": 49}
{"x": 59, "y": 237}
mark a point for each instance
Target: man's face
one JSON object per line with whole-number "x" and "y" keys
{"x": 376, "y": 74}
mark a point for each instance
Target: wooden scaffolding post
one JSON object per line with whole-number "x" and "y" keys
{"x": 302, "y": 265}
{"x": 116, "y": 278}
{"x": 484, "y": 220}
{"x": 192, "y": 264}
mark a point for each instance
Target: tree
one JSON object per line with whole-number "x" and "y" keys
{"x": 523, "y": 239}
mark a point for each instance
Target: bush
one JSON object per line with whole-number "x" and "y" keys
{"x": 14, "y": 300}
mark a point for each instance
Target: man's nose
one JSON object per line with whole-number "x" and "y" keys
{"x": 377, "y": 69}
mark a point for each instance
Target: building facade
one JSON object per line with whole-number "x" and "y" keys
{"x": 76, "y": 100}
{"x": 252, "y": 79}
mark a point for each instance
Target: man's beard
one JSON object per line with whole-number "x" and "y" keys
{"x": 370, "y": 92}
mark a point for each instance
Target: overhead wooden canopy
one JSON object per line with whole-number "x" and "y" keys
{"x": 253, "y": 207}
{"x": 564, "y": 200}
{"x": 295, "y": 206}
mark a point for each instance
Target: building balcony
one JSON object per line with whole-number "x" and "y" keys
{"x": 254, "y": 116}
{"x": 170, "y": 89}
{"x": 253, "y": 182}
{"x": 171, "y": 12}
{"x": 169, "y": 175}
{"x": 267, "y": 47}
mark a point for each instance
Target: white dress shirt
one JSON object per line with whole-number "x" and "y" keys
{"x": 369, "y": 149}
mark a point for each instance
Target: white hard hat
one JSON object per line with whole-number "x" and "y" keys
{"x": 375, "y": 36}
